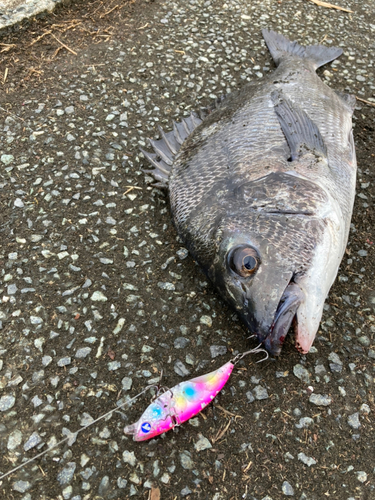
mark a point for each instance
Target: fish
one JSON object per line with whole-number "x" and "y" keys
{"x": 262, "y": 186}
{"x": 179, "y": 404}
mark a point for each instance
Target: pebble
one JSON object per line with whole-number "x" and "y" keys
{"x": 7, "y": 159}
{"x": 181, "y": 369}
{"x": 126, "y": 383}
{"x": 65, "y": 476}
{"x": 21, "y": 486}
{"x": 304, "y": 423}
{"x": 7, "y": 402}
{"x": 306, "y": 460}
{"x": 33, "y": 441}
{"x": 353, "y": 421}
{"x": 217, "y": 350}
{"x": 185, "y": 491}
{"x": 83, "y": 352}
{"x": 202, "y": 444}
{"x": 206, "y": 320}
{"x": 320, "y": 400}
{"x": 181, "y": 342}
{"x": 301, "y": 373}
{"x": 287, "y": 489}
{"x": 98, "y": 297}
{"x": 260, "y": 392}
{"x": 186, "y": 461}
{"x": 361, "y": 476}
{"x": 14, "y": 439}
{"x": 129, "y": 458}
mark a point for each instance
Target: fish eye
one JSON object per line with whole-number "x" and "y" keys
{"x": 244, "y": 260}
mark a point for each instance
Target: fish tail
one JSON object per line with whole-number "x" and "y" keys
{"x": 280, "y": 46}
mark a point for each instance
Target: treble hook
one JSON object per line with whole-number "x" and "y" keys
{"x": 257, "y": 349}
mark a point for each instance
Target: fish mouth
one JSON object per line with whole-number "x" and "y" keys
{"x": 286, "y": 312}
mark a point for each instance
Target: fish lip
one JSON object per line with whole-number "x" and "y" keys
{"x": 286, "y": 312}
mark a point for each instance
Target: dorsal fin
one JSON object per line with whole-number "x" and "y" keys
{"x": 300, "y": 131}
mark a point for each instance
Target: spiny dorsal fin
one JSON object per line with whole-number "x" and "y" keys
{"x": 280, "y": 46}
{"x": 300, "y": 131}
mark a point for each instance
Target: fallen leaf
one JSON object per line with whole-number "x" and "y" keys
{"x": 154, "y": 493}
{"x": 111, "y": 354}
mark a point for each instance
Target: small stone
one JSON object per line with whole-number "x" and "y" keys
{"x": 166, "y": 286}
{"x": 7, "y": 159}
{"x": 7, "y": 402}
{"x": 181, "y": 369}
{"x": 217, "y": 350}
{"x": 83, "y": 352}
{"x": 182, "y": 253}
{"x": 365, "y": 409}
{"x": 250, "y": 396}
{"x": 165, "y": 478}
{"x": 114, "y": 365}
{"x": 304, "y": 422}
{"x": 134, "y": 478}
{"x": 64, "y": 361}
{"x": 361, "y": 476}
{"x": 185, "y": 491}
{"x": 206, "y": 320}
{"x": 306, "y": 460}
{"x": 129, "y": 458}
{"x": 65, "y": 476}
{"x": 98, "y": 297}
{"x": 301, "y": 373}
{"x": 287, "y": 489}
{"x": 364, "y": 340}
{"x": 202, "y": 444}
{"x": 126, "y": 383}
{"x": 36, "y": 320}
{"x": 353, "y": 421}
{"x": 334, "y": 358}
{"x": 181, "y": 342}
{"x": 21, "y": 486}
{"x": 14, "y": 440}
{"x": 260, "y": 392}
{"x": 186, "y": 461}
{"x": 320, "y": 400}
{"x": 121, "y": 482}
{"x": 33, "y": 441}
{"x": 18, "y": 203}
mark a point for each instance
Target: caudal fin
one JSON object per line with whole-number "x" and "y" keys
{"x": 280, "y": 46}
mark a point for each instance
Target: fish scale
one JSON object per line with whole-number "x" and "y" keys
{"x": 262, "y": 191}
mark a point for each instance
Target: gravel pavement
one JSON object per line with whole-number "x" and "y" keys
{"x": 98, "y": 294}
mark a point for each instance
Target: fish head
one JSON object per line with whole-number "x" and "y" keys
{"x": 276, "y": 270}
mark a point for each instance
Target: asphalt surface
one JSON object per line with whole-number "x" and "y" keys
{"x": 98, "y": 295}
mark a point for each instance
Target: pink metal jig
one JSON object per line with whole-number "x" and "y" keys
{"x": 182, "y": 402}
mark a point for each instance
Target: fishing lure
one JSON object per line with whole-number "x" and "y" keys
{"x": 183, "y": 401}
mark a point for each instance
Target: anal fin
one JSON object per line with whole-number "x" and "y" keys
{"x": 300, "y": 131}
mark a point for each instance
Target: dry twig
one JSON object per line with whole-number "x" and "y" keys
{"x": 221, "y": 433}
{"x": 330, "y": 6}
{"x": 63, "y": 44}
{"x": 7, "y": 46}
{"x": 109, "y": 11}
{"x": 366, "y": 102}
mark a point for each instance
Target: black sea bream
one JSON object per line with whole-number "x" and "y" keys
{"x": 262, "y": 192}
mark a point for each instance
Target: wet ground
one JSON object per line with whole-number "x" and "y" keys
{"x": 99, "y": 295}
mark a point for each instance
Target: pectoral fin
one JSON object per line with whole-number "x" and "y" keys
{"x": 300, "y": 131}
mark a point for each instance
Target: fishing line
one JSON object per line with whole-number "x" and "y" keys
{"x": 75, "y": 433}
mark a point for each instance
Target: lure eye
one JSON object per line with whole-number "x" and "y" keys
{"x": 244, "y": 261}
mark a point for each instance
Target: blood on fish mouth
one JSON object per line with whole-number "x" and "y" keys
{"x": 285, "y": 314}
